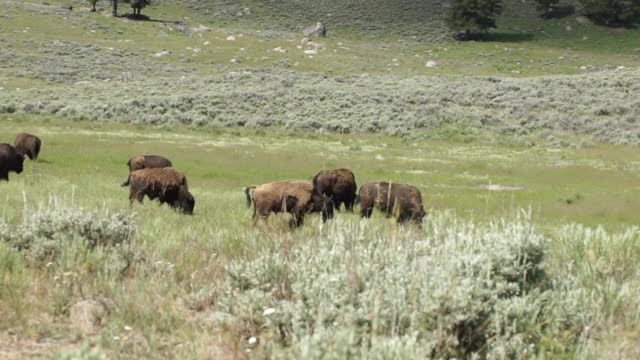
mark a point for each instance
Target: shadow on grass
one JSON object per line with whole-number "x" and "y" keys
{"x": 559, "y": 12}
{"x": 506, "y": 37}
{"x": 43, "y": 161}
{"x": 140, "y": 17}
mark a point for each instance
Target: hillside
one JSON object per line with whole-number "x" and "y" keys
{"x": 210, "y": 63}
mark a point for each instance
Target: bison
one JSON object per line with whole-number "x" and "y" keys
{"x": 296, "y": 197}
{"x": 10, "y": 160}
{"x": 146, "y": 162}
{"x": 29, "y": 145}
{"x": 165, "y": 184}
{"x": 389, "y": 198}
{"x": 339, "y": 185}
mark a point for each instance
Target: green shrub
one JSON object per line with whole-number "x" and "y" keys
{"x": 457, "y": 289}
{"x": 47, "y": 231}
{"x": 611, "y": 12}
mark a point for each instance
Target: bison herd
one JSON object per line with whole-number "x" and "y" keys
{"x": 153, "y": 176}
{"x": 12, "y": 156}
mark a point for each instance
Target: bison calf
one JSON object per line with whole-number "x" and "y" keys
{"x": 390, "y": 198}
{"x": 29, "y": 145}
{"x": 166, "y": 184}
{"x": 296, "y": 197}
{"x": 10, "y": 161}
{"x": 146, "y": 162}
{"x": 339, "y": 185}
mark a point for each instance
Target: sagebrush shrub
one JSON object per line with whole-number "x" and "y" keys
{"x": 455, "y": 290}
{"x": 46, "y": 231}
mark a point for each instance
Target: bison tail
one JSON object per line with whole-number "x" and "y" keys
{"x": 126, "y": 183}
{"x": 249, "y": 194}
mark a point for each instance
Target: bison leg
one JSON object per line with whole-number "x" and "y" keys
{"x": 135, "y": 195}
{"x": 4, "y": 176}
{"x": 297, "y": 219}
{"x": 366, "y": 212}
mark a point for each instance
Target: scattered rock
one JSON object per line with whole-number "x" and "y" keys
{"x": 311, "y": 52}
{"x": 379, "y": 157}
{"x": 87, "y": 315}
{"x": 304, "y": 40}
{"x": 585, "y": 38}
{"x": 582, "y": 20}
{"x": 583, "y": 68}
{"x": 568, "y": 28}
{"x": 2, "y": 89}
{"x": 315, "y": 44}
{"x": 200, "y": 28}
{"x": 318, "y": 29}
{"x": 235, "y": 61}
{"x": 206, "y": 43}
{"x": 231, "y": 38}
{"x": 431, "y": 64}
{"x": 280, "y": 50}
{"x": 162, "y": 53}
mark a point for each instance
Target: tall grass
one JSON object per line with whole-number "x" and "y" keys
{"x": 348, "y": 288}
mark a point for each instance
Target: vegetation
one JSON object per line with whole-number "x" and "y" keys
{"x": 612, "y": 12}
{"x": 213, "y": 282}
{"x": 541, "y": 115}
{"x": 546, "y": 5}
{"x": 472, "y": 17}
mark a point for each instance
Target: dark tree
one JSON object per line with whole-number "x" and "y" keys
{"x": 138, "y": 5}
{"x": 611, "y": 12}
{"x": 469, "y": 18}
{"x": 93, "y": 5}
{"x": 546, "y": 6}
{"x": 114, "y": 7}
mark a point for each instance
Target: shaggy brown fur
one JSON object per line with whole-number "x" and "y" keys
{"x": 165, "y": 184}
{"x": 29, "y": 145}
{"x": 10, "y": 160}
{"x": 146, "y": 162}
{"x": 296, "y": 197}
{"x": 389, "y": 198}
{"x": 339, "y": 185}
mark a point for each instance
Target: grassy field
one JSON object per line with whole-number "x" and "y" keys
{"x": 169, "y": 281}
{"x": 531, "y": 244}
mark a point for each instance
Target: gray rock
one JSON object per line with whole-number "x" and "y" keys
{"x": 87, "y": 315}
{"x": 318, "y": 30}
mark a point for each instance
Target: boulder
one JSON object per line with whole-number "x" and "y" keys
{"x": 315, "y": 30}
{"x": 87, "y": 315}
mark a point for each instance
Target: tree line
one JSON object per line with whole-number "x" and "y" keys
{"x": 471, "y": 18}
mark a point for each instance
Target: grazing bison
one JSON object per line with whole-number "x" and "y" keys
{"x": 389, "y": 198}
{"x": 165, "y": 184}
{"x": 29, "y": 145}
{"x": 339, "y": 185}
{"x": 10, "y": 160}
{"x": 146, "y": 162}
{"x": 296, "y": 197}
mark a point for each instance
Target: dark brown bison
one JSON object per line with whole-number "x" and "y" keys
{"x": 296, "y": 197}
{"x": 10, "y": 160}
{"x": 146, "y": 162}
{"x": 339, "y": 185}
{"x": 391, "y": 198}
{"x": 29, "y": 145}
{"x": 165, "y": 184}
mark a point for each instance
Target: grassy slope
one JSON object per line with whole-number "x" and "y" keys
{"x": 82, "y": 165}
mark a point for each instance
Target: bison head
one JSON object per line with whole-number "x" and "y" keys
{"x": 186, "y": 201}
{"x": 322, "y": 204}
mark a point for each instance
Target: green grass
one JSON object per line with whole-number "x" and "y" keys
{"x": 590, "y": 185}
{"x": 170, "y": 293}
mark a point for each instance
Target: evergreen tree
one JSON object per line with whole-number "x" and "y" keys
{"x": 546, "y": 5}
{"x": 611, "y": 12}
{"x": 93, "y": 5}
{"x": 472, "y": 17}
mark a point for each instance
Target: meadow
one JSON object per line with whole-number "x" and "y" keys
{"x": 524, "y": 147}
{"x": 503, "y": 219}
